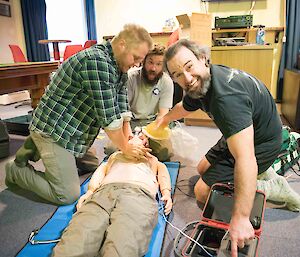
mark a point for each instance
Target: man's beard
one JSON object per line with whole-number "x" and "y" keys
{"x": 148, "y": 81}
{"x": 202, "y": 91}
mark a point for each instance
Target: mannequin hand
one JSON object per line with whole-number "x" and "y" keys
{"x": 83, "y": 198}
{"x": 166, "y": 197}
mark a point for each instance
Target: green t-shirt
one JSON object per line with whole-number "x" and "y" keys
{"x": 237, "y": 100}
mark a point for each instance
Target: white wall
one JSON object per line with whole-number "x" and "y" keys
{"x": 265, "y": 12}
{"x": 111, "y": 15}
{"x": 11, "y": 31}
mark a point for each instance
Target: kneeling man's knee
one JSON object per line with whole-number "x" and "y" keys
{"x": 68, "y": 196}
{"x": 201, "y": 191}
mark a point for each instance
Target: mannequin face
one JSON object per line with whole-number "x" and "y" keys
{"x": 139, "y": 139}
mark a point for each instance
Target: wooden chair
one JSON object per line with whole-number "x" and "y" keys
{"x": 17, "y": 53}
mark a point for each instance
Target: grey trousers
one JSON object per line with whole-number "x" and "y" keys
{"x": 116, "y": 221}
{"x": 59, "y": 183}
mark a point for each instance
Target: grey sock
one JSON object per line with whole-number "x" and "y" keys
{"x": 269, "y": 174}
{"x": 279, "y": 190}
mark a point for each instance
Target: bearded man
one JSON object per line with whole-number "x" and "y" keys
{"x": 88, "y": 92}
{"x": 150, "y": 90}
{"x": 150, "y": 95}
{"x": 245, "y": 112}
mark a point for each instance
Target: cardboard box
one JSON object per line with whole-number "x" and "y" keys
{"x": 212, "y": 230}
{"x": 196, "y": 27}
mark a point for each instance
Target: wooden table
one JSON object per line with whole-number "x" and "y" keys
{"x": 55, "y": 43}
{"x": 33, "y": 76}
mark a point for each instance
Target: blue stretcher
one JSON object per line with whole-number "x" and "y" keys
{"x": 62, "y": 216}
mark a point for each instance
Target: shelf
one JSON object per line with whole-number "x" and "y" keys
{"x": 245, "y": 47}
{"x": 272, "y": 34}
{"x": 245, "y": 30}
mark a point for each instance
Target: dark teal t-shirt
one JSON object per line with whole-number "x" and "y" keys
{"x": 235, "y": 101}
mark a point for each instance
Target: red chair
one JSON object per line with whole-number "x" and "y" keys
{"x": 19, "y": 56}
{"x": 17, "y": 53}
{"x": 71, "y": 50}
{"x": 89, "y": 43}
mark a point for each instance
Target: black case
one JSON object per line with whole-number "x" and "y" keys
{"x": 4, "y": 140}
{"x": 211, "y": 231}
{"x": 19, "y": 125}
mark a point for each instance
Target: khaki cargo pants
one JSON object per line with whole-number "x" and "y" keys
{"x": 116, "y": 221}
{"x": 59, "y": 183}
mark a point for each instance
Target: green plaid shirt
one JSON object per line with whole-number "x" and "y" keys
{"x": 86, "y": 93}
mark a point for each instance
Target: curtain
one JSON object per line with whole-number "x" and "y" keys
{"x": 90, "y": 19}
{"x": 35, "y": 28}
{"x": 291, "y": 47}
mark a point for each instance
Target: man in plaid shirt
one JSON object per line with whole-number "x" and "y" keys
{"x": 87, "y": 93}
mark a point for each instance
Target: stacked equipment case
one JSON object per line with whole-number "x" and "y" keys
{"x": 212, "y": 230}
